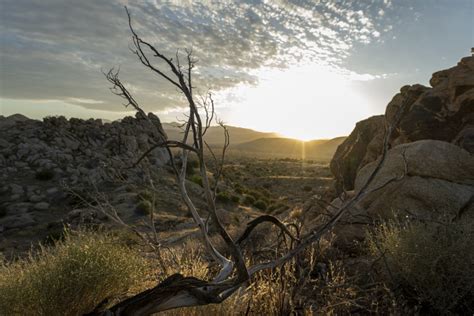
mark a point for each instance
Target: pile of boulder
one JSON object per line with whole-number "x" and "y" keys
{"x": 40, "y": 159}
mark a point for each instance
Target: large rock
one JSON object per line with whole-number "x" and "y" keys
{"x": 424, "y": 178}
{"x": 362, "y": 146}
{"x": 441, "y": 112}
{"x": 427, "y": 179}
{"x": 444, "y": 112}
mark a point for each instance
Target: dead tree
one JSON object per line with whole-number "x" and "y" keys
{"x": 177, "y": 290}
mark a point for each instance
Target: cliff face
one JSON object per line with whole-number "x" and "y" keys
{"x": 443, "y": 112}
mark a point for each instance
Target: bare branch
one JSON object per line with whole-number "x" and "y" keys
{"x": 264, "y": 219}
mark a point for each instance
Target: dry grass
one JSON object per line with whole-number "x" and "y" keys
{"x": 78, "y": 273}
{"x": 432, "y": 263}
{"x": 70, "y": 278}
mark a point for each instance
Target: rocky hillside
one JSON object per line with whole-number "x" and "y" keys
{"x": 215, "y": 137}
{"x": 41, "y": 162}
{"x": 321, "y": 149}
{"x": 429, "y": 167}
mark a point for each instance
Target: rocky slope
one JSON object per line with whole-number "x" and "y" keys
{"x": 43, "y": 162}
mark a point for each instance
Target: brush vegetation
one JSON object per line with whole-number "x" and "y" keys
{"x": 431, "y": 263}
{"x": 71, "y": 277}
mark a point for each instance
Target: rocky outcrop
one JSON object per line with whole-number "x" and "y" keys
{"x": 39, "y": 159}
{"x": 361, "y": 147}
{"x": 443, "y": 112}
{"x": 74, "y": 149}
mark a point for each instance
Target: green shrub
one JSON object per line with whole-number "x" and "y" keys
{"x": 235, "y": 198}
{"x": 44, "y": 175}
{"x": 226, "y": 197}
{"x": 267, "y": 185}
{"x": 434, "y": 261}
{"x": 70, "y": 278}
{"x": 248, "y": 200}
{"x": 239, "y": 188}
{"x": 223, "y": 197}
{"x": 255, "y": 194}
{"x": 144, "y": 208}
{"x": 145, "y": 195}
{"x": 196, "y": 179}
{"x": 260, "y": 205}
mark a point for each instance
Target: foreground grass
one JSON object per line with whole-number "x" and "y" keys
{"x": 431, "y": 263}
{"x": 71, "y": 277}
{"x": 425, "y": 267}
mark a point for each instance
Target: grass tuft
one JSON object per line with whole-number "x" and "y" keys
{"x": 431, "y": 261}
{"x": 69, "y": 278}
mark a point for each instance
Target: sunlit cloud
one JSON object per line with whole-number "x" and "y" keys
{"x": 70, "y": 43}
{"x": 84, "y": 101}
{"x": 362, "y": 51}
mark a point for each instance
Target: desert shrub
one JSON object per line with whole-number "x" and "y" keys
{"x": 270, "y": 292}
{"x": 223, "y": 197}
{"x": 307, "y": 188}
{"x": 260, "y": 205}
{"x": 196, "y": 179}
{"x": 226, "y": 197}
{"x": 255, "y": 194}
{"x": 432, "y": 261}
{"x": 192, "y": 163}
{"x": 248, "y": 200}
{"x": 144, "y": 208}
{"x": 235, "y": 198}
{"x": 145, "y": 195}
{"x": 69, "y": 278}
{"x": 239, "y": 188}
{"x": 44, "y": 175}
{"x": 266, "y": 192}
{"x": 278, "y": 206}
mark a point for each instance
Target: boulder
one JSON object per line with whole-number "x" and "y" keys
{"x": 440, "y": 112}
{"x": 362, "y": 146}
{"x": 425, "y": 178}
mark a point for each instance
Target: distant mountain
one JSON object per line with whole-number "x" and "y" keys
{"x": 246, "y": 142}
{"x": 215, "y": 134}
{"x": 321, "y": 149}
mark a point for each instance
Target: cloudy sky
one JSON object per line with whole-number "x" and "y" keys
{"x": 303, "y": 68}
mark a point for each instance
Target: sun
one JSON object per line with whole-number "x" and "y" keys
{"x": 302, "y": 102}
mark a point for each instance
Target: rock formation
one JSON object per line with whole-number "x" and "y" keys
{"x": 38, "y": 159}
{"x": 428, "y": 171}
{"x": 443, "y": 112}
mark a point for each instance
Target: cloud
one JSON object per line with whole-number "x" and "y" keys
{"x": 55, "y": 49}
{"x": 84, "y": 101}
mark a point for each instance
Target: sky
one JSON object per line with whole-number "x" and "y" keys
{"x": 306, "y": 69}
